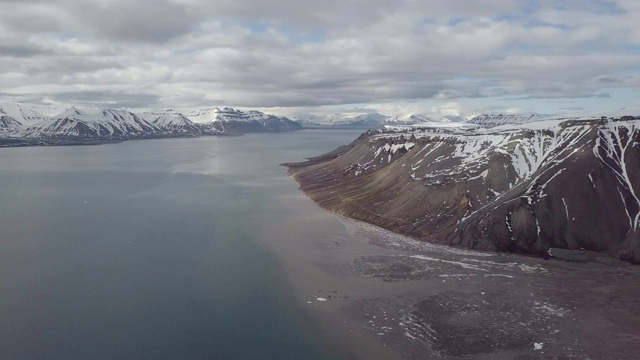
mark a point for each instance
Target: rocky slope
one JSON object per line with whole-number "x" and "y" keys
{"x": 523, "y": 188}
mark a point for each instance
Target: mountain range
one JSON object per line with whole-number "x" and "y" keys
{"x": 23, "y": 125}
{"x": 412, "y": 119}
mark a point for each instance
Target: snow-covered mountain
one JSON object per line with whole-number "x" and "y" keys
{"x": 344, "y": 120}
{"x": 226, "y": 114}
{"x": 106, "y": 123}
{"x": 500, "y": 119}
{"x": 375, "y": 120}
{"x": 171, "y": 121}
{"x": 367, "y": 119}
{"x": 415, "y": 121}
{"x": 21, "y": 125}
{"x": 525, "y": 188}
{"x": 411, "y": 119}
{"x": 455, "y": 118}
{"x": 230, "y": 120}
{"x": 24, "y": 114}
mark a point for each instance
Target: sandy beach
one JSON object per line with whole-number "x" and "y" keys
{"x": 369, "y": 293}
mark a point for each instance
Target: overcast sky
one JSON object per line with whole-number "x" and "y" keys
{"x": 294, "y": 56}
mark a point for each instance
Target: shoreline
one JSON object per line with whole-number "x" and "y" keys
{"x": 371, "y": 293}
{"x": 11, "y": 142}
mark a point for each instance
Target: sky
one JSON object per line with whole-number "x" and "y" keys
{"x": 294, "y": 57}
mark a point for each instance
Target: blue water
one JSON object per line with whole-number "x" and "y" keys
{"x": 146, "y": 250}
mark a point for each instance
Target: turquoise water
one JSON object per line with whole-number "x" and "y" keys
{"x": 146, "y": 250}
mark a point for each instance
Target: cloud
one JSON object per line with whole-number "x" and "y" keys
{"x": 286, "y": 53}
{"x": 20, "y": 51}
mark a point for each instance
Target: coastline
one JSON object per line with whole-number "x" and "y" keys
{"x": 9, "y": 142}
{"x": 371, "y": 293}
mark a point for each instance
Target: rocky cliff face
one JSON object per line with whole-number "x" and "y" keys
{"x": 522, "y": 188}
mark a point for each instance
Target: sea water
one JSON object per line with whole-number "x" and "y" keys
{"x": 146, "y": 249}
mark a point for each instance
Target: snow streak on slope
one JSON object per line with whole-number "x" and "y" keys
{"x": 615, "y": 142}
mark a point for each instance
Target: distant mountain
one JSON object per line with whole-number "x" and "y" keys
{"x": 344, "y": 120}
{"x": 417, "y": 121}
{"x": 500, "y": 119}
{"x": 20, "y": 125}
{"x": 225, "y": 115}
{"x": 230, "y": 120}
{"x": 368, "y": 119}
{"x": 410, "y": 119}
{"x": 455, "y": 118}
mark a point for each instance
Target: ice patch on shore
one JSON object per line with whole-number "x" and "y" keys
{"x": 529, "y": 269}
{"x": 549, "y": 309}
{"x": 459, "y": 263}
{"x": 386, "y": 238}
{"x": 456, "y": 276}
{"x": 486, "y": 265}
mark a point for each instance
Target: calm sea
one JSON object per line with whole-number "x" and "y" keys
{"x": 146, "y": 250}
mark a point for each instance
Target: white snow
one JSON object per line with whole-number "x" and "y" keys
{"x": 458, "y": 263}
{"x": 591, "y": 179}
{"x": 482, "y": 175}
{"x": 612, "y": 146}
